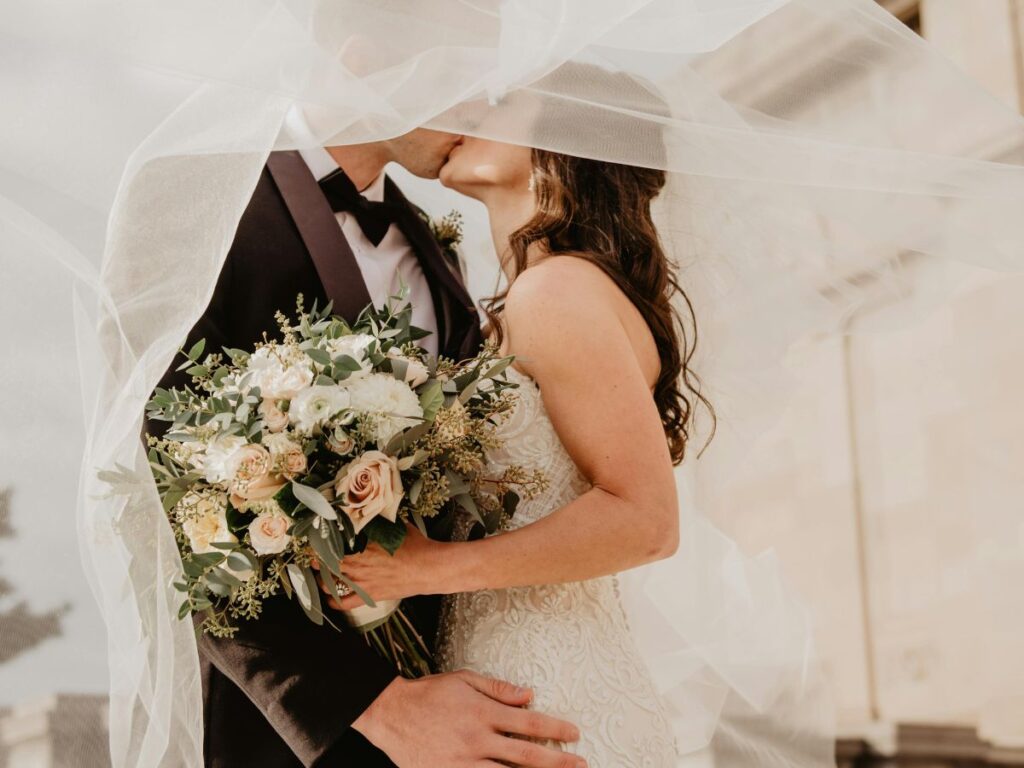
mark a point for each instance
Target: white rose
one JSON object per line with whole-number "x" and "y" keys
{"x": 268, "y": 533}
{"x": 355, "y": 346}
{"x": 279, "y": 380}
{"x": 416, "y": 373}
{"x": 392, "y": 402}
{"x": 205, "y": 522}
{"x": 313, "y": 406}
{"x": 216, "y": 456}
{"x": 369, "y": 486}
{"x": 273, "y": 417}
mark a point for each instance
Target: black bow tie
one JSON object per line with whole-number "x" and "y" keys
{"x": 374, "y": 218}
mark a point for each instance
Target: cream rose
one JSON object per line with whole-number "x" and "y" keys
{"x": 416, "y": 373}
{"x": 273, "y": 417}
{"x": 205, "y": 522}
{"x": 251, "y": 476}
{"x": 268, "y": 533}
{"x": 369, "y": 486}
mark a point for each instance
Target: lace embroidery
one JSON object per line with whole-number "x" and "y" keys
{"x": 569, "y": 642}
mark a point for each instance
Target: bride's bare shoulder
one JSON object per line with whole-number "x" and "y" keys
{"x": 557, "y": 284}
{"x": 562, "y": 306}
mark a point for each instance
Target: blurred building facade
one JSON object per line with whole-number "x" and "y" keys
{"x": 59, "y": 731}
{"x": 887, "y": 529}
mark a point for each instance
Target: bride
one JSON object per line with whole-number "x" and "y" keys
{"x": 605, "y": 410}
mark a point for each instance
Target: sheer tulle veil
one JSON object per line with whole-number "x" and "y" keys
{"x": 138, "y": 132}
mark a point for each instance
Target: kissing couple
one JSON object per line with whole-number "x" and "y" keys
{"x": 535, "y": 663}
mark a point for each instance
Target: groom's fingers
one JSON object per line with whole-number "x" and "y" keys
{"x": 499, "y": 690}
{"x": 529, "y": 755}
{"x": 535, "y": 725}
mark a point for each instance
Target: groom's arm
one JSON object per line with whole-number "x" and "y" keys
{"x": 310, "y": 683}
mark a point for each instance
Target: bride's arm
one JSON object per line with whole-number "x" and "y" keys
{"x": 566, "y": 335}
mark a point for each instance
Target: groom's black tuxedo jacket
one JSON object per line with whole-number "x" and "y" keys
{"x": 283, "y": 692}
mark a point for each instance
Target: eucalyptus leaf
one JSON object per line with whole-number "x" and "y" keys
{"x": 469, "y": 391}
{"x": 399, "y": 368}
{"x": 431, "y": 399}
{"x": 358, "y": 590}
{"x": 465, "y": 501}
{"x": 307, "y": 591}
{"x": 509, "y": 503}
{"x": 498, "y": 367}
{"x": 221, "y": 576}
{"x": 238, "y": 562}
{"x": 417, "y": 518}
{"x": 202, "y": 603}
{"x": 403, "y": 440}
{"x": 318, "y": 355}
{"x": 322, "y": 547}
{"x": 348, "y": 363}
{"x": 314, "y": 500}
{"x": 456, "y": 483}
{"x": 197, "y": 349}
{"x": 415, "y": 489}
{"x": 208, "y": 559}
{"x": 218, "y": 588}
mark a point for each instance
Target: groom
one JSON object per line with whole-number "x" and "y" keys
{"x": 284, "y": 692}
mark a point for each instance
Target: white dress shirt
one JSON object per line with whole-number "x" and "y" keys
{"x": 385, "y": 266}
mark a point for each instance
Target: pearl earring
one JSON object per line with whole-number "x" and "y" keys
{"x": 533, "y": 183}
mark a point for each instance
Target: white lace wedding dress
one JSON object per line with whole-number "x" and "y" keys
{"x": 569, "y": 642}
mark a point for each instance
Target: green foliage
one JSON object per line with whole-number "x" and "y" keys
{"x": 440, "y": 459}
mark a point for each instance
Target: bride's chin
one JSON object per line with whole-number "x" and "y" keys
{"x": 450, "y": 179}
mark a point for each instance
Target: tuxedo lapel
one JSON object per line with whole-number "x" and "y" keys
{"x": 452, "y": 302}
{"x": 333, "y": 258}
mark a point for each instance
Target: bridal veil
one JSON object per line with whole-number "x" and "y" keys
{"x": 134, "y": 134}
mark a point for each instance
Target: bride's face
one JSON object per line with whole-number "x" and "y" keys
{"x": 479, "y": 168}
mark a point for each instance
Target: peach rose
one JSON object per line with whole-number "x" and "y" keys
{"x": 340, "y": 442}
{"x": 369, "y": 486}
{"x": 286, "y": 455}
{"x": 251, "y": 478}
{"x": 273, "y": 417}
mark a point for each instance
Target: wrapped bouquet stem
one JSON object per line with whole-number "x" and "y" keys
{"x": 281, "y": 460}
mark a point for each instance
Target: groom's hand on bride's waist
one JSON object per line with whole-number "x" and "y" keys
{"x": 462, "y": 719}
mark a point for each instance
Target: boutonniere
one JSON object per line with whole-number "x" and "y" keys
{"x": 447, "y": 231}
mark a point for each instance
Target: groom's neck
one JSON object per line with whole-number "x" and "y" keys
{"x": 362, "y": 163}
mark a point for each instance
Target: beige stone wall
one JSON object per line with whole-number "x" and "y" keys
{"x": 893, "y": 479}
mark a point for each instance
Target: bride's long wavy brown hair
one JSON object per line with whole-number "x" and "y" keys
{"x": 601, "y": 211}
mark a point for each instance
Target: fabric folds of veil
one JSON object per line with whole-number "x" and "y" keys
{"x": 136, "y": 133}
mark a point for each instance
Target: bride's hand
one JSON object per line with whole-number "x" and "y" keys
{"x": 412, "y": 570}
